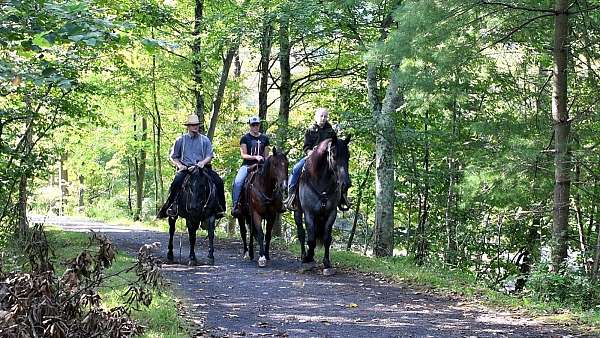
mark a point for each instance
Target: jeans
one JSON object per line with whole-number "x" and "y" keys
{"x": 296, "y": 171}
{"x": 238, "y": 182}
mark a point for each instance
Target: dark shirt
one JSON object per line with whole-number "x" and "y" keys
{"x": 255, "y": 145}
{"x": 315, "y": 135}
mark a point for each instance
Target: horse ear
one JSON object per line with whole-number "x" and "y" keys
{"x": 274, "y": 151}
{"x": 347, "y": 140}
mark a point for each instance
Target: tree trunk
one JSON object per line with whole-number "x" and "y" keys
{"x": 62, "y": 183}
{"x": 286, "y": 84}
{"x": 579, "y": 218}
{"x": 562, "y": 124}
{"x": 196, "y": 61}
{"x": 263, "y": 69}
{"x": 422, "y": 245}
{"x": 129, "y": 202}
{"x": 284, "y": 97}
{"x": 216, "y": 107}
{"x": 141, "y": 170}
{"x": 384, "y": 174}
{"x": 80, "y": 193}
{"x": 157, "y": 199}
{"x": 451, "y": 244}
{"x": 597, "y": 258}
{"x": 361, "y": 189}
{"x": 22, "y": 203}
{"x": 158, "y": 125}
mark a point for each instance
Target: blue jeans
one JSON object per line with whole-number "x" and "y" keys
{"x": 238, "y": 182}
{"x": 296, "y": 171}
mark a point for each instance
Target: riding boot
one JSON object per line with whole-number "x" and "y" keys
{"x": 235, "y": 211}
{"x": 290, "y": 202}
{"x": 169, "y": 209}
{"x": 344, "y": 202}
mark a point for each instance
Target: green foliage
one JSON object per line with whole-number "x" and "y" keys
{"x": 566, "y": 287}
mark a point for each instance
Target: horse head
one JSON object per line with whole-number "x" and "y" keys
{"x": 340, "y": 153}
{"x": 277, "y": 166}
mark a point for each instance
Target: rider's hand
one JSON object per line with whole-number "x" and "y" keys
{"x": 200, "y": 165}
{"x": 181, "y": 167}
{"x": 258, "y": 158}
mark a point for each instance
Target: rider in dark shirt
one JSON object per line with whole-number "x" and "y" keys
{"x": 319, "y": 131}
{"x": 253, "y": 149}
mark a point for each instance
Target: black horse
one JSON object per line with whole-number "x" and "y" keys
{"x": 197, "y": 202}
{"x": 261, "y": 200}
{"x": 322, "y": 190}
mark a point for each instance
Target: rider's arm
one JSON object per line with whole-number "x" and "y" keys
{"x": 245, "y": 155}
{"x": 177, "y": 163}
{"x": 176, "y": 155}
{"x": 310, "y": 139}
{"x": 207, "y": 151}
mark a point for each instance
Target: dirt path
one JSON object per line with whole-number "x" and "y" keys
{"x": 236, "y": 298}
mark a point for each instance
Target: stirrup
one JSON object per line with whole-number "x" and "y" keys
{"x": 172, "y": 211}
{"x": 289, "y": 203}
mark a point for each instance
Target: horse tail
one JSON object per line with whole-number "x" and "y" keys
{"x": 319, "y": 236}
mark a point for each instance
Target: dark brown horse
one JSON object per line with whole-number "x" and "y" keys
{"x": 322, "y": 190}
{"x": 262, "y": 199}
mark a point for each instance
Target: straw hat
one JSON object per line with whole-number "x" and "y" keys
{"x": 192, "y": 119}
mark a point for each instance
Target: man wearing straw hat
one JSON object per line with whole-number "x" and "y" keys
{"x": 191, "y": 150}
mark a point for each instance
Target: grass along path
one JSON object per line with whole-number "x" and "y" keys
{"x": 160, "y": 318}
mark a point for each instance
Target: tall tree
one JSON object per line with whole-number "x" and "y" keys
{"x": 562, "y": 125}
{"x": 197, "y": 63}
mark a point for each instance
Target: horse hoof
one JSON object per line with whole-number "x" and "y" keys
{"x": 262, "y": 262}
{"x": 192, "y": 262}
{"x": 170, "y": 257}
{"x": 328, "y": 272}
{"x": 210, "y": 261}
{"x": 308, "y": 266}
{"x": 246, "y": 256}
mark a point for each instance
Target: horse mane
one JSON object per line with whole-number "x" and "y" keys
{"x": 315, "y": 160}
{"x": 264, "y": 170}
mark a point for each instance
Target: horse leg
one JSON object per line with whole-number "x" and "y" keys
{"x": 243, "y": 234}
{"x": 309, "y": 260}
{"x": 172, "y": 221}
{"x": 301, "y": 233}
{"x": 270, "y": 222}
{"x": 327, "y": 239}
{"x": 211, "y": 239}
{"x": 192, "y": 227}
{"x": 260, "y": 237}
{"x": 251, "y": 227}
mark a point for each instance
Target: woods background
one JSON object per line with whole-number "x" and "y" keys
{"x": 475, "y": 124}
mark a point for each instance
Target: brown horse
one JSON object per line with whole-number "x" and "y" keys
{"x": 262, "y": 199}
{"x": 322, "y": 190}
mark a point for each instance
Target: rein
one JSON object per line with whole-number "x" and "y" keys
{"x": 211, "y": 191}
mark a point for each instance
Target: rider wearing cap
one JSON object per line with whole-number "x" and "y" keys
{"x": 253, "y": 148}
{"x": 191, "y": 150}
